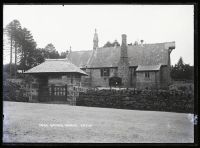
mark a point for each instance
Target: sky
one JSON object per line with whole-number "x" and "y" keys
{"x": 74, "y": 25}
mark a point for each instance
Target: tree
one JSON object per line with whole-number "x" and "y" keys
{"x": 115, "y": 43}
{"x": 24, "y": 44}
{"x": 50, "y": 47}
{"x": 108, "y": 44}
{"x": 50, "y": 52}
{"x": 6, "y": 70}
{"x": 28, "y": 46}
{"x": 63, "y": 55}
{"x": 12, "y": 30}
{"x": 180, "y": 63}
{"x": 182, "y": 71}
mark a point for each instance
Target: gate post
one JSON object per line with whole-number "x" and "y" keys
{"x": 52, "y": 92}
{"x": 66, "y": 91}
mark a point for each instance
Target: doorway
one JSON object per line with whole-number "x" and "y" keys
{"x": 43, "y": 92}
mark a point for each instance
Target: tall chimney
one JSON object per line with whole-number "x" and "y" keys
{"x": 124, "y": 47}
{"x": 123, "y": 65}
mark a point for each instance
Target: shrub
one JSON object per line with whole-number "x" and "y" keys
{"x": 14, "y": 92}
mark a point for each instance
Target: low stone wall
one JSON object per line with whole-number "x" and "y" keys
{"x": 170, "y": 101}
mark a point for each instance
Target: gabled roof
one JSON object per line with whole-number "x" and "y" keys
{"x": 147, "y": 54}
{"x": 80, "y": 58}
{"x": 148, "y": 68}
{"x": 56, "y": 65}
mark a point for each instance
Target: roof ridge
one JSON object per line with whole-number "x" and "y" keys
{"x": 151, "y": 65}
{"x": 81, "y": 51}
{"x": 153, "y": 43}
{"x": 65, "y": 59}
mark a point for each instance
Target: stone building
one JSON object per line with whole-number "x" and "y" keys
{"x": 52, "y": 78}
{"x": 137, "y": 65}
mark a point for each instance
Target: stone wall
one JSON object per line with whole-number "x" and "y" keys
{"x": 64, "y": 79}
{"x": 151, "y": 82}
{"x": 165, "y": 76}
{"x": 139, "y": 100}
{"x": 98, "y": 80}
{"x": 132, "y": 77}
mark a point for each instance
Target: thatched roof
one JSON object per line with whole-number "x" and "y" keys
{"x": 56, "y": 66}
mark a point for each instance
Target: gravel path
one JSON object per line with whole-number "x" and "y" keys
{"x": 33, "y": 122}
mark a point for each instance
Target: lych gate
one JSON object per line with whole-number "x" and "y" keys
{"x": 56, "y": 93}
{"x": 55, "y": 80}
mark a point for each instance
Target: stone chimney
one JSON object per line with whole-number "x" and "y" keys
{"x": 123, "y": 65}
{"x": 124, "y": 47}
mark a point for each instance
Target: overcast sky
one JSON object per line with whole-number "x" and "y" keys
{"x": 74, "y": 25}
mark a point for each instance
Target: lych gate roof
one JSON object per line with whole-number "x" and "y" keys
{"x": 56, "y": 65}
{"x": 147, "y": 54}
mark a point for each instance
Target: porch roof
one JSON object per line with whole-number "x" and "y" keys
{"x": 56, "y": 66}
{"x": 148, "y": 68}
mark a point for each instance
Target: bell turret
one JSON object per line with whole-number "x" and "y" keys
{"x": 95, "y": 40}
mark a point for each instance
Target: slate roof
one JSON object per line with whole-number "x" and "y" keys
{"x": 80, "y": 58}
{"x": 56, "y": 65}
{"x": 148, "y": 68}
{"x": 148, "y": 54}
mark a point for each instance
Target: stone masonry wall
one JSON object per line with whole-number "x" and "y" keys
{"x": 165, "y": 76}
{"x": 151, "y": 82}
{"x": 123, "y": 65}
{"x": 98, "y": 80}
{"x": 139, "y": 100}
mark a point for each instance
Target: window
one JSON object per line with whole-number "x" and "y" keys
{"x": 105, "y": 72}
{"x": 146, "y": 74}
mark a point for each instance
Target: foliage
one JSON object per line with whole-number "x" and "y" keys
{"x": 23, "y": 42}
{"x": 6, "y": 69}
{"x": 50, "y": 52}
{"x": 109, "y": 44}
{"x": 26, "y": 48}
{"x": 63, "y": 55}
{"x": 14, "y": 92}
{"x": 182, "y": 71}
{"x": 12, "y": 30}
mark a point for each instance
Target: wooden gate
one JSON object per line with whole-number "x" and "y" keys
{"x": 58, "y": 93}
{"x": 65, "y": 93}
